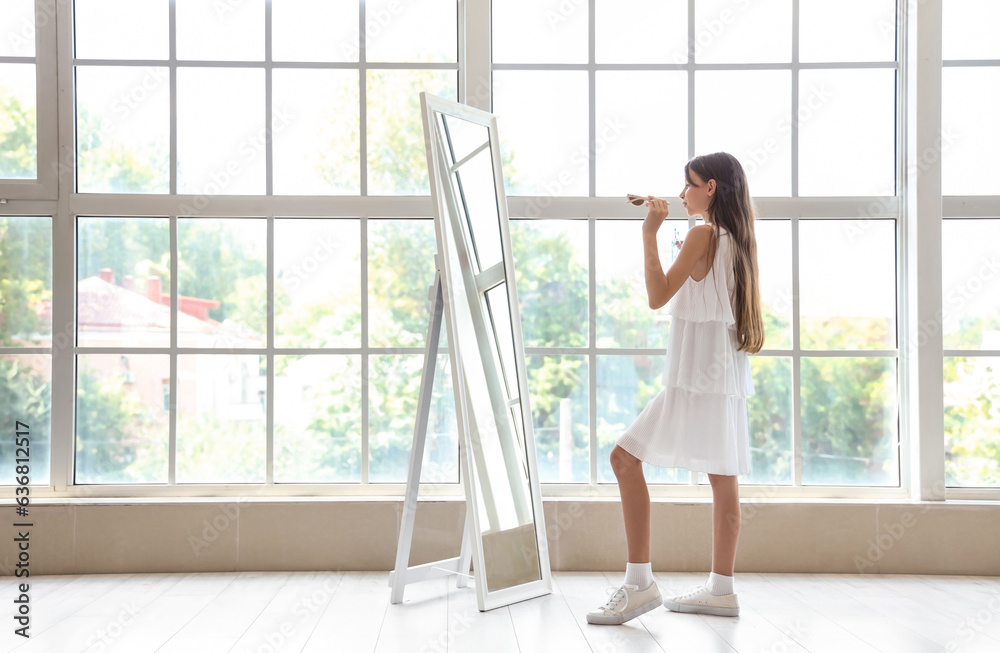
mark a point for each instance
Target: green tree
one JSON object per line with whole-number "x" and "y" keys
{"x": 18, "y": 138}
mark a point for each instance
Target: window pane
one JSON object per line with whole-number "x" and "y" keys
{"x": 849, "y": 421}
{"x": 317, "y": 419}
{"x": 970, "y": 265}
{"x": 847, "y": 284}
{"x": 17, "y": 24}
{"x": 618, "y": 41}
{"x": 774, "y": 258}
{"x": 315, "y": 30}
{"x": 624, "y": 318}
{"x": 972, "y": 419}
{"x": 18, "y": 128}
{"x": 223, "y": 281}
{"x": 970, "y": 132}
{"x": 317, "y": 151}
{"x": 560, "y": 409}
{"x": 397, "y": 160}
{"x": 123, "y": 284}
{"x": 626, "y": 385}
{"x": 220, "y": 418}
{"x": 394, "y": 394}
{"x": 220, "y": 31}
{"x": 550, "y": 269}
{"x": 123, "y": 128}
{"x": 544, "y": 152}
{"x": 122, "y": 418}
{"x": 770, "y": 412}
{"x": 849, "y": 30}
{"x": 400, "y": 273}
{"x": 123, "y": 29}
{"x": 969, "y": 29}
{"x": 847, "y": 134}
{"x": 728, "y": 31}
{"x": 221, "y": 138}
{"x": 317, "y": 294}
{"x": 26, "y": 397}
{"x": 761, "y": 138}
{"x": 26, "y": 278}
{"x": 411, "y": 32}
{"x": 539, "y": 31}
{"x": 641, "y": 132}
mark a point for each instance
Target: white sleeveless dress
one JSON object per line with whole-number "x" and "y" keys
{"x": 699, "y": 420}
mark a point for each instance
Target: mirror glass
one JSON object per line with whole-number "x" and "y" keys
{"x": 481, "y": 301}
{"x": 472, "y": 181}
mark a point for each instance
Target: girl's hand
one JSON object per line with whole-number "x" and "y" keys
{"x": 657, "y": 213}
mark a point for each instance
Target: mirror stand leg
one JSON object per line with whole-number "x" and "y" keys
{"x": 465, "y": 557}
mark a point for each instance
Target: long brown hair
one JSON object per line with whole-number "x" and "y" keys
{"x": 731, "y": 208}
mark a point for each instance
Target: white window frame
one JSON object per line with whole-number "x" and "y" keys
{"x": 918, "y": 268}
{"x": 956, "y": 207}
{"x": 45, "y": 184}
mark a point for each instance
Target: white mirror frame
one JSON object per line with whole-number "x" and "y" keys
{"x": 449, "y": 239}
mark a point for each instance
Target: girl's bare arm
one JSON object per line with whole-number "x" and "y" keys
{"x": 662, "y": 287}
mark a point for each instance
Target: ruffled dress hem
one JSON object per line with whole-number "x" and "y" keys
{"x": 698, "y": 421}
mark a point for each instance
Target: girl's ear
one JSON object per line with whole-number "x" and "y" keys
{"x": 711, "y": 187}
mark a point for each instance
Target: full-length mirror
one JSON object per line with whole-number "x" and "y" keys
{"x": 484, "y": 336}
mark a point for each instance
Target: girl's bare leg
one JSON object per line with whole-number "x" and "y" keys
{"x": 725, "y": 522}
{"x": 635, "y": 502}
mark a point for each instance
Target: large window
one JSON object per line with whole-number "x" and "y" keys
{"x": 233, "y": 288}
{"x": 970, "y": 136}
{"x": 220, "y": 349}
{"x": 590, "y": 105}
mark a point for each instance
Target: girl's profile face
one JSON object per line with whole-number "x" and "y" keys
{"x": 696, "y": 194}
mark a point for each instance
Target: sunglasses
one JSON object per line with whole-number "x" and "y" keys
{"x": 638, "y": 200}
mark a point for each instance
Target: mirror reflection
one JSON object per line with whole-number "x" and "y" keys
{"x": 470, "y": 163}
{"x": 481, "y": 306}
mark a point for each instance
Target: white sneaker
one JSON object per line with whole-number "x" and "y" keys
{"x": 626, "y": 602}
{"x": 699, "y": 599}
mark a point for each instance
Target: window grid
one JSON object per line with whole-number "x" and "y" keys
{"x": 100, "y": 204}
{"x": 986, "y": 207}
{"x": 44, "y": 186}
{"x": 794, "y": 208}
{"x": 268, "y": 65}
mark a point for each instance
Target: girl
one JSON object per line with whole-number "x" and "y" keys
{"x": 699, "y": 420}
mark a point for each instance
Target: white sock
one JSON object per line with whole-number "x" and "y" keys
{"x": 639, "y": 573}
{"x": 718, "y": 584}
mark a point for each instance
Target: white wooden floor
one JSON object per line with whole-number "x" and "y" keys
{"x": 267, "y": 612}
